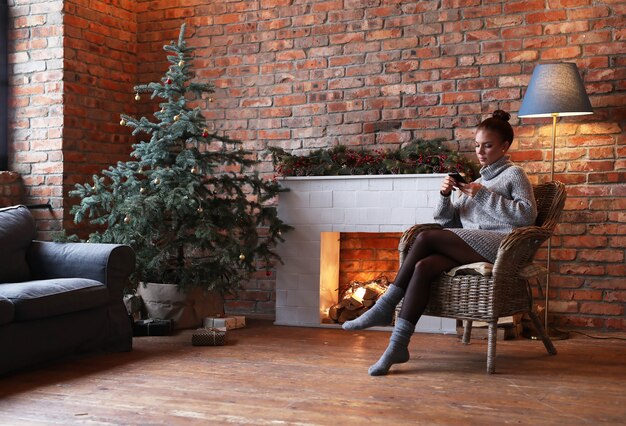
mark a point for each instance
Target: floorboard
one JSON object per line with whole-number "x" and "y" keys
{"x": 270, "y": 375}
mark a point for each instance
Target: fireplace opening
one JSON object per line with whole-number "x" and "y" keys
{"x": 355, "y": 270}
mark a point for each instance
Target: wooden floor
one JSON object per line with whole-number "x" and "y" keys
{"x": 269, "y": 375}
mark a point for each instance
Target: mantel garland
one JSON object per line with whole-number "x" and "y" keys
{"x": 416, "y": 157}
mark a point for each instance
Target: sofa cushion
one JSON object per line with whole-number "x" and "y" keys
{"x": 17, "y": 230}
{"x": 46, "y": 298}
{"x": 6, "y": 311}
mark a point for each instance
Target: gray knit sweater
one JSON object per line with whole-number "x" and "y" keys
{"x": 505, "y": 201}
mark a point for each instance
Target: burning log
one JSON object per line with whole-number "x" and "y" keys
{"x": 357, "y": 299}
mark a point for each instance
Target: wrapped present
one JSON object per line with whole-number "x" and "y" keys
{"x": 209, "y": 336}
{"x": 133, "y": 305}
{"x": 230, "y": 323}
{"x": 152, "y": 327}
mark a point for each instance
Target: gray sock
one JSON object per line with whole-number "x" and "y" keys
{"x": 381, "y": 313}
{"x": 398, "y": 350}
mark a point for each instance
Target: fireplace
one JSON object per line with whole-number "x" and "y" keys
{"x": 333, "y": 208}
{"x": 355, "y": 266}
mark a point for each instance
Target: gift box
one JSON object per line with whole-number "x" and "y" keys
{"x": 213, "y": 336}
{"x": 133, "y": 305}
{"x": 229, "y": 323}
{"x": 152, "y": 327}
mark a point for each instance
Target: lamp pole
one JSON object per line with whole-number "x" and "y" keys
{"x": 554, "y": 117}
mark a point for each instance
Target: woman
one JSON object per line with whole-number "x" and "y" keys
{"x": 485, "y": 212}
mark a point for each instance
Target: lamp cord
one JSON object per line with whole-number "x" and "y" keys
{"x": 594, "y": 337}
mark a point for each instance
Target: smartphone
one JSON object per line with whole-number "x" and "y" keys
{"x": 457, "y": 177}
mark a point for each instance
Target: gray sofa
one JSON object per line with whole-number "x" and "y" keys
{"x": 58, "y": 298}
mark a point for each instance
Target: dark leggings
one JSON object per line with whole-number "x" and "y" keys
{"x": 432, "y": 253}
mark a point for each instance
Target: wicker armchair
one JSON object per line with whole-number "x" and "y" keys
{"x": 506, "y": 291}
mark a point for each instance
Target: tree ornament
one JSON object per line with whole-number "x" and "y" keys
{"x": 242, "y": 256}
{"x": 199, "y": 209}
{"x": 156, "y": 181}
{"x": 177, "y": 117}
{"x": 194, "y": 170}
{"x": 122, "y": 122}
{"x": 210, "y": 98}
{"x": 205, "y": 133}
{"x": 137, "y": 97}
{"x": 279, "y": 233}
{"x": 142, "y": 190}
{"x": 127, "y": 219}
{"x": 168, "y": 81}
{"x": 181, "y": 63}
{"x": 268, "y": 273}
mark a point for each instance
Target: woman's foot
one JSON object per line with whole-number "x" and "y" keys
{"x": 398, "y": 350}
{"x": 380, "y": 314}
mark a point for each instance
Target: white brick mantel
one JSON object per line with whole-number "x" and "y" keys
{"x": 368, "y": 203}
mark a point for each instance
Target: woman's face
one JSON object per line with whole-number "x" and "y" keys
{"x": 489, "y": 147}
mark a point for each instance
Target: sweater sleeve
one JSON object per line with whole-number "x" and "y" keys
{"x": 446, "y": 213}
{"x": 516, "y": 207}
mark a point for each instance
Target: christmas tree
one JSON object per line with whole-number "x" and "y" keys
{"x": 188, "y": 201}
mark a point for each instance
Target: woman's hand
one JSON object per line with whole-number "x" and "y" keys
{"x": 447, "y": 186}
{"x": 469, "y": 189}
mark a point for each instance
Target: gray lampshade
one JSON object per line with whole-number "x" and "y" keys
{"x": 555, "y": 89}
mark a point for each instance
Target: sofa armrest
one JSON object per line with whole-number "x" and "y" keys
{"x": 111, "y": 264}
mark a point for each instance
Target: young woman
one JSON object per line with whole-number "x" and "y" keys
{"x": 474, "y": 225}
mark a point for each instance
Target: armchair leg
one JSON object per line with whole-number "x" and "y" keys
{"x": 547, "y": 342}
{"x": 467, "y": 332}
{"x": 491, "y": 347}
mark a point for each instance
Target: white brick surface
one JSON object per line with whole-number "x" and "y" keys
{"x": 321, "y": 199}
{"x": 346, "y": 199}
{"x": 380, "y": 184}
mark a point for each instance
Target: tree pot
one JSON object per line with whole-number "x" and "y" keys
{"x": 185, "y": 307}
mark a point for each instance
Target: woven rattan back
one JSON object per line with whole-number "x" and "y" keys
{"x": 550, "y": 198}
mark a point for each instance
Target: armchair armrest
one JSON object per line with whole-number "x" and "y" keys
{"x": 518, "y": 249}
{"x": 111, "y": 264}
{"x": 406, "y": 241}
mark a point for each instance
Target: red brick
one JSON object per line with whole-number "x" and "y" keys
{"x": 460, "y": 3}
{"x": 614, "y": 296}
{"x": 560, "y": 53}
{"x": 601, "y": 309}
{"x": 563, "y": 306}
{"x": 588, "y": 12}
{"x": 567, "y": 27}
{"x": 460, "y": 97}
{"x": 521, "y": 56}
{"x": 523, "y": 6}
{"x": 592, "y": 295}
{"x": 274, "y": 134}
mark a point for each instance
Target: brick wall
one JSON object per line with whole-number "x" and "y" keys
{"x": 364, "y": 256}
{"x": 303, "y": 74}
{"x": 100, "y": 71}
{"x": 37, "y": 102}
{"x": 73, "y": 71}
{"x": 10, "y": 189}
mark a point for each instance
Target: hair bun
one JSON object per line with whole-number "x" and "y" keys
{"x": 502, "y": 115}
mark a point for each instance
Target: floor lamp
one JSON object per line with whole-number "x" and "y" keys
{"x": 555, "y": 90}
